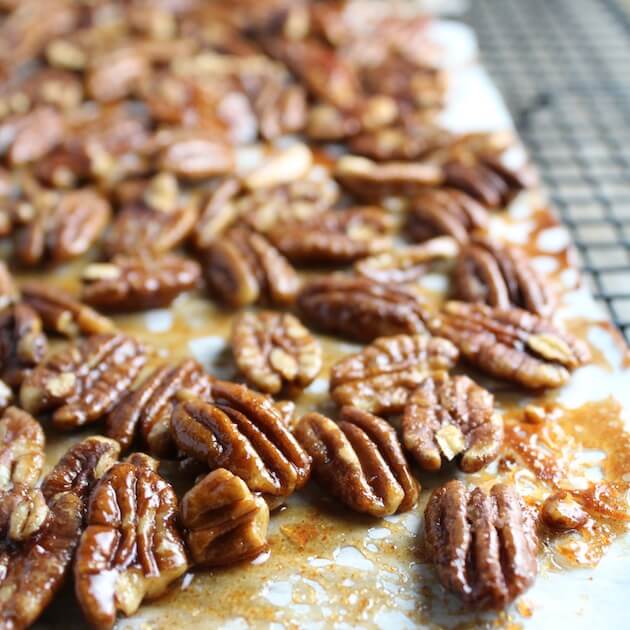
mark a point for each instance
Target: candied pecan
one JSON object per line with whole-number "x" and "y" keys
{"x": 245, "y": 433}
{"x": 511, "y": 344}
{"x": 445, "y": 212}
{"x": 61, "y": 313}
{"x": 150, "y": 406}
{"x": 381, "y": 377}
{"x": 360, "y": 461}
{"x": 138, "y": 283}
{"x": 280, "y": 168}
{"x": 500, "y": 275}
{"x": 562, "y": 512}
{"x": 23, "y": 511}
{"x": 243, "y": 267}
{"x": 275, "y": 351}
{"x": 448, "y": 417}
{"x": 361, "y": 309}
{"x": 131, "y": 548}
{"x": 197, "y": 158}
{"x": 85, "y": 381}
{"x": 483, "y": 547}
{"x": 8, "y": 290}
{"x": 225, "y": 522}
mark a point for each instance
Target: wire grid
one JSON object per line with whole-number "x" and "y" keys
{"x": 564, "y": 68}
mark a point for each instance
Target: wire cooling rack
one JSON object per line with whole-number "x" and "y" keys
{"x": 564, "y": 68}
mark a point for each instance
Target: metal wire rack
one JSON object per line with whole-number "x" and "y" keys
{"x": 564, "y": 68}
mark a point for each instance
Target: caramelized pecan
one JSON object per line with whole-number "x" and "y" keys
{"x": 562, "y": 512}
{"x": 483, "y": 547}
{"x": 225, "y": 522}
{"x": 197, "y": 157}
{"x": 282, "y": 167}
{"x": 381, "y": 377}
{"x": 360, "y": 461}
{"x": 448, "y": 417}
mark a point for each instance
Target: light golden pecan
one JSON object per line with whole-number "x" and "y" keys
{"x": 280, "y": 109}
{"x": 483, "y": 546}
{"x": 450, "y": 417}
{"x": 562, "y": 512}
{"x": 8, "y": 290}
{"x": 361, "y": 309}
{"x": 360, "y": 461}
{"x": 197, "y": 158}
{"x": 511, "y": 344}
{"x": 85, "y": 381}
{"x": 131, "y": 549}
{"x": 62, "y": 313}
{"x": 275, "y": 351}
{"x": 225, "y": 522}
{"x": 381, "y": 377}
{"x": 242, "y": 431}
{"x": 114, "y": 75}
{"x": 138, "y": 283}
{"x": 6, "y": 395}
{"x": 281, "y": 167}
{"x": 148, "y": 409}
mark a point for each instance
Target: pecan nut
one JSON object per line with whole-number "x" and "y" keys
{"x": 225, "y": 522}
{"x": 275, "y": 351}
{"x": 84, "y": 382}
{"x": 448, "y": 417}
{"x": 512, "y": 344}
{"x": 381, "y": 377}
{"x": 131, "y": 548}
{"x": 197, "y": 158}
{"x": 360, "y": 461}
{"x": 483, "y": 546}
{"x": 8, "y": 290}
{"x": 280, "y": 168}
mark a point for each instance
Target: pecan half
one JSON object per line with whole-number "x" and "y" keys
{"x": 275, "y": 351}
{"x": 225, "y": 522}
{"x": 511, "y": 344}
{"x": 243, "y": 432}
{"x": 280, "y": 168}
{"x": 360, "y": 309}
{"x": 131, "y": 549}
{"x": 448, "y": 417}
{"x": 381, "y": 377}
{"x": 360, "y": 461}
{"x": 197, "y": 158}
{"x": 483, "y": 547}
{"x": 85, "y": 381}
{"x": 32, "y": 135}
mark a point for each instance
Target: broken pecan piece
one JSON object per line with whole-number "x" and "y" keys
{"x": 85, "y": 381}
{"x": 562, "y": 512}
{"x": 131, "y": 549}
{"x": 360, "y": 461}
{"x": 225, "y": 522}
{"x": 380, "y": 378}
{"x": 483, "y": 547}
{"x": 511, "y": 344}
{"x": 449, "y": 417}
{"x": 275, "y": 351}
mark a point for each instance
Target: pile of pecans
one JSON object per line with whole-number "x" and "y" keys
{"x": 122, "y": 131}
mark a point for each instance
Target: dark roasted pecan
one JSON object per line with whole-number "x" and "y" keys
{"x": 483, "y": 547}
{"x": 131, "y": 549}
{"x": 138, "y": 283}
{"x": 225, "y": 522}
{"x": 275, "y": 351}
{"x": 448, "y": 417}
{"x": 381, "y": 377}
{"x": 149, "y": 407}
{"x": 445, "y": 212}
{"x": 245, "y": 433}
{"x": 360, "y": 461}
{"x": 361, "y": 309}
{"x": 85, "y": 381}
{"x": 511, "y": 344}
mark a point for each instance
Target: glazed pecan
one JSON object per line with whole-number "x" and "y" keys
{"x": 245, "y": 433}
{"x": 149, "y": 407}
{"x": 360, "y": 309}
{"x": 243, "y": 267}
{"x": 131, "y": 549}
{"x": 85, "y": 381}
{"x": 445, "y": 212}
{"x": 500, "y": 275}
{"x": 562, "y": 512}
{"x": 225, "y": 522}
{"x": 483, "y": 547}
{"x": 511, "y": 344}
{"x": 360, "y": 461}
{"x": 281, "y": 109}
{"x": 381, "y": 377}
{"x": 23, "y": 511}
{"x": 138, "y": 283}
{"x": 280, "y": 168}
{"x": 448, "y": 417}
{"x": 196, "y": 157}
{"x": 275, "y": 351}
{"x": 61, "y": 313}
